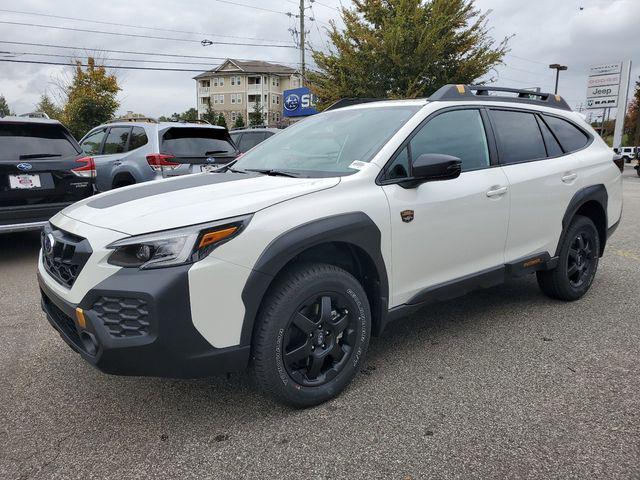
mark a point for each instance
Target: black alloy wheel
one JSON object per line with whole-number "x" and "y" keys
{"x": 319, "y": 339}
{"x": 580, "y": 260}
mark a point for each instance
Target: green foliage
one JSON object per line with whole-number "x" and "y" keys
{"x": 404, "y": 49}
{"x": 90, "y": 98}
{"x": 4, "y": 107}
{"x": 210, "y": 115}
{"x": 239, "y": 123}
{"x": 256, "y": 116}
{"x": 222, "y": 122}
{"x": 632, "y": 121}
{"x": 190, "y": 115}
{"x": 47, "y": 106}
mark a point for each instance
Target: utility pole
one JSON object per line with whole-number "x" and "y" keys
{"x": 557, "y": 67}
{"x": 302, "y": 66}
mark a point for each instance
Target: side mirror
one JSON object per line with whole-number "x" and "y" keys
{"x": 430, "y": 167}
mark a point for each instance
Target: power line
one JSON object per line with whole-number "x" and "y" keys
{"x": 130, "y": 52}
{"x": 110, "y": 59}
{"x": 47, "y": 15}
{"x": 254, "y": 7}
{"x": 525, "y": 59}
{"x": 188, "y": 40}
{"x": 120, "y": 67}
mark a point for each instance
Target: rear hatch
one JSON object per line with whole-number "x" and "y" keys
{"x": 195, "y": 149}
{"x": 36, "y": 169}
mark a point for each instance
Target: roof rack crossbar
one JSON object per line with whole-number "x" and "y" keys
{"x": 132, "y": 119}
{"x": 472, "y": 92}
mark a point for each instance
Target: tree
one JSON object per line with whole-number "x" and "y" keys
{"x": 404, "y": 49}
{"x": 90, "y": 98}
{"x": 4, "y": 107}
{"x": 632, "y": 122}
{"x": 256, "y": 117}
{"x": 47, "y": 106}
{"x": 190, "y": 115}
{"x": 210, "y": 115}
{"x": 239, "y": 123}
{"x": 222, "y": 122}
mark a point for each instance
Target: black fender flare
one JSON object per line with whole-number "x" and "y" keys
{"x": 597, "y": 193}
{"x": 355, "y": 228}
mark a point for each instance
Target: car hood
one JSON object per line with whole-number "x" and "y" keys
{"x": 189, "y": 200}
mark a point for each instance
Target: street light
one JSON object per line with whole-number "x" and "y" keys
{"x": 557, "y": 67}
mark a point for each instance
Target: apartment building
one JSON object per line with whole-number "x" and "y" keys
{"x": 235, "y": 87}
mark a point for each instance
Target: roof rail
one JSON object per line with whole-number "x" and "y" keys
{"x": 134, "y": 119}
{"x": 347, "y": 102}
{"x": 34, "y": 115}
{"x": 479, "y": 92}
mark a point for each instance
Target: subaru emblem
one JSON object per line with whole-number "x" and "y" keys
{"x": 211, "y": 160}
{"x": 49, "y": 242}
{"x": 24, "y": 166}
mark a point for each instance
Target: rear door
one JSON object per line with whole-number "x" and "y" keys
{"x": 36, "y": 162}
{"x": 195, "y": 149}
{"x": 542, "y": 180}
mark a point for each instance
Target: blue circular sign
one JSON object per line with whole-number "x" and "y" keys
{"x": 292, "y": 102}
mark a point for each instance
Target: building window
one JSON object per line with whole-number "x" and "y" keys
{"x": 204, "y": 83}
{"x": 273, "y": 99}
{"x": 218, "y": 99}
{"x": 236, "y": 98}
{"x": 275, "y": 81}
{"x": 277, "y": 99}
{"x": 221, "y": 81}
{"x": 254, "y": 80}
{"x": 235, "y": 80}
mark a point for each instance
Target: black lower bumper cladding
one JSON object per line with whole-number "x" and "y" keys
{"x": 139, "y": 323}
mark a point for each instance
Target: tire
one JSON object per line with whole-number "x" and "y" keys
{"x": 289, "y": 348}
{"x": 577, "y": 262}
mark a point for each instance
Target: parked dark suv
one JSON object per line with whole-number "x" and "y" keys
{"x": 42, "y": 170}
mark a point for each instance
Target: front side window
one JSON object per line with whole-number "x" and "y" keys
{"x": 91, "y": 145}
{"x": 459, "y": 133}
{"x": 328, "y": 144}
{"x": 570, "y": 137}
{"x": 519, "y": 136}
{"x": 117, "y": 140}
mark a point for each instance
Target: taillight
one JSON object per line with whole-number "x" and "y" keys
{"x": 159, "y": 161}
{"x": 619, "y": 161}
{"x": 88, "y": 168}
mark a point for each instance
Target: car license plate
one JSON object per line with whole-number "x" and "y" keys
{"x": 209, "y": 168}
{"x": 24, "y": 181}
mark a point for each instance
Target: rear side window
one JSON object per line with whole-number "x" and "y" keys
{"x": 519, "y": 136}
{"x": 197, "y": 142}
{"x": 138, "y": 138}
{"x": 23, "y": 141}
{"x": 91, "y": 145}
{"x": 571, "y": 137}
{"x": 117, "y": 140}
{"x": 553, "y": 147}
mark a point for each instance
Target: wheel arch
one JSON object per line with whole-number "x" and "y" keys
{"x": 351, "y": 241}
{"x": 590, "y": 202}
{"x": 123, "y": 178}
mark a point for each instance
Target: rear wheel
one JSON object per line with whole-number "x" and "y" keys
{"x": 312, "y": 334}
{"x": 577, "y": 262}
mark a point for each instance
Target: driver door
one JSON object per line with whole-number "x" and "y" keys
{"x": 447, "y": 231}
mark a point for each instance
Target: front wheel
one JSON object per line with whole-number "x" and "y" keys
{"x": 312, "y": 334}
{"x": 577, "y": 262}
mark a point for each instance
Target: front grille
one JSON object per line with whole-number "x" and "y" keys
{"x": 64, "y": 322}
{"x": 123, "y": 317}
{"x": 63, "y": 254}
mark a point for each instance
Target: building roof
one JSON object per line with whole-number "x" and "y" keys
{"x": 231, "y": 65}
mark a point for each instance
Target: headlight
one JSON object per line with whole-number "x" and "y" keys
{"x": 175, "y": 247}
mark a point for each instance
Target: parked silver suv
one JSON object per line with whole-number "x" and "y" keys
{"x": 128, "y": 151}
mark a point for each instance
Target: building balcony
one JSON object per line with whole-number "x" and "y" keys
{"x": 203, "y": 91}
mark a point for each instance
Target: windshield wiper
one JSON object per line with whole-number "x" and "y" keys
{"x": 272, "y": 171}
{"x": 213, "y": 152}
{"x": 39, "y": 155}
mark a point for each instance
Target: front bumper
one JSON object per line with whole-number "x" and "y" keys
{"x": 139, "y": 323}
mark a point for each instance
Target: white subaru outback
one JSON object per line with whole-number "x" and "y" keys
{"x": 291, "y": 257}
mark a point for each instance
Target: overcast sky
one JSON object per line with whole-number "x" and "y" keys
{"x": 576, "y": 33}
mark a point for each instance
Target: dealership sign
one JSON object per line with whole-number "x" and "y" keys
{"x": 602, "y": 102}
{"x": 605, "y": 69}
{"x": 299, "y": 102}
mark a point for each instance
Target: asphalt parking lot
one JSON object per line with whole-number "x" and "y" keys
{"x": 501, "y": 383}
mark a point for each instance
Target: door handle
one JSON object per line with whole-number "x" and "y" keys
{"x": 569, "y": 177}
{"x": 496, "y": 191}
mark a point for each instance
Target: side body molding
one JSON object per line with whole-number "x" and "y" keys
{"x": 355, "y": 229}
{"x": 593, "y": 193}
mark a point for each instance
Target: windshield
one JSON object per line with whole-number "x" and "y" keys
{"x": 33, "y": 141}
{"x": 329, "y": 143}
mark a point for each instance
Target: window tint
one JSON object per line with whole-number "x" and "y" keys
{"x": 116, "y": 141}
{"x": 553, "y": 147}
{"x": 196, "y": 142}
{"x": 459, "y": 133}
{"x": 571, "y": 138}
{"x": 138, "y": 138}
{"x": 250, "y": 140}
{"x": 22, "y": 141}
{"x": 519, "y": 136}
{"x": 91, "y": 145}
